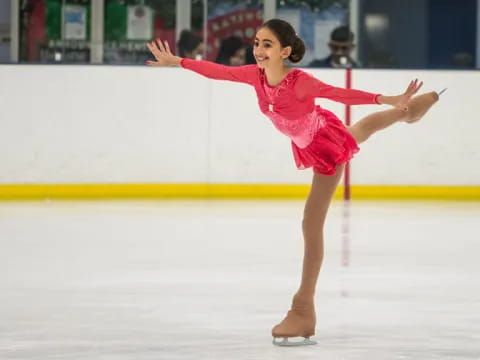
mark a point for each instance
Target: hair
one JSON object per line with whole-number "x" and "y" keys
{"x": 228, "y": 48}
{"x": 188, "y": 42}
{"x": 342, "y": 34}
{"x": 249, "y": 57}
{"x": 287, "y": 36}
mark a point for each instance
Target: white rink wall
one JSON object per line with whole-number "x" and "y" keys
{"x": 101, "y": 124}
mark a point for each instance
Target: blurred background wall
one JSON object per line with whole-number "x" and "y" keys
{"x": 82, "y": 124}
{"x": 388, "y": 33}
{"x": 5, "y": 16}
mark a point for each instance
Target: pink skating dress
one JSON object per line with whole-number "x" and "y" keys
{"x": 319, "y": 138}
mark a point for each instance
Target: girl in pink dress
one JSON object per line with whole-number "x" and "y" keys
{"x": 318, "y": 138}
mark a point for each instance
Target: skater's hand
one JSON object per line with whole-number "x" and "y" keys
{"x": 162, "y": 53}
{"x": 401, "y": 101}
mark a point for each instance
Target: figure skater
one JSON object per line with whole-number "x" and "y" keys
{"x": 319, "y": 139}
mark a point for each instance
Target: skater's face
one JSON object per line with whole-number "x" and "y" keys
{"x": 268, "y": 51}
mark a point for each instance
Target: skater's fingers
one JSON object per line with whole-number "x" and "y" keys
{"x": 149, "y": 46}
{"x": 160, "y": 46}
{"x": 413, "y": 84}
{"x": 154, "y": 50}
{"x": 154, "y": 46}
{"x": 167, "y": 47}
{"x": 416, "y": 88}
{"x": 410, "y": 86}
{"x": 153, "y": 63}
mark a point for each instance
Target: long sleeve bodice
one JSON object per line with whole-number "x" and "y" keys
{"x": 291, "y": 104}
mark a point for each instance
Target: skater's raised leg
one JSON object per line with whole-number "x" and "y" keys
{"x": 301, "y": 320}
{"x": 417, "y": 108}
{"x": 419, "y": 105}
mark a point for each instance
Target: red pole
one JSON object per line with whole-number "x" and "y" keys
{"x": 346, "y": 176}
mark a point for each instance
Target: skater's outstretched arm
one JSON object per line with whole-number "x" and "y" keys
{"x": 308, "y": 86}
{"x": 164, "y": 57}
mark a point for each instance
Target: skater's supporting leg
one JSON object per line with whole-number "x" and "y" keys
{"x": 316, "y": 207}
{"x": 300, "y": 320}
{"x": 417, "y": 108}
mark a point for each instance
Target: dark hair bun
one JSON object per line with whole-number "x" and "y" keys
{"x": 298, "y": 50}
{"x": 285, "y": 33}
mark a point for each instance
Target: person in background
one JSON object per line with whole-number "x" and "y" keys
{"x": 249, "y": 57}
{"x": 463, "y": 60}
{"x": 232, "y": 52}
{"x": 190, "y": 45}
{"x": 341, "y": 46}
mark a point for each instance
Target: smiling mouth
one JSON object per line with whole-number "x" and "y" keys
{"x": 260, "y": 59}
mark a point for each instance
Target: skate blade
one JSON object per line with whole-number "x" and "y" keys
{"x": 441, "y": 92}
{"x": 288, "y": 342}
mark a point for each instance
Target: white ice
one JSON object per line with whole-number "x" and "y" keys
{"x": 208, "y": 279}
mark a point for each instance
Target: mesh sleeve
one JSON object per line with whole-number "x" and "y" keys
{"x": 244, "y": 74}
{"x": 309, "y": 87}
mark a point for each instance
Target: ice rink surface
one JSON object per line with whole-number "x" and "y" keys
{"x": 208, "y": 279}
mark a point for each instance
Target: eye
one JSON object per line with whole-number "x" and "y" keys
{"x": 268, "y": 45}
{"x": 255, "y": 44}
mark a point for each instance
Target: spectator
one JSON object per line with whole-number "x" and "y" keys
{"x": 249, "y": 57}
{"x": 232, "y": 52}
{"x": 341, "y": 45}
{"x": 190, "y": 45}
{"x": 463, "y": 60}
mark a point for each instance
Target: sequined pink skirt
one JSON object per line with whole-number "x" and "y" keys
{"x": 331, "y": 146}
